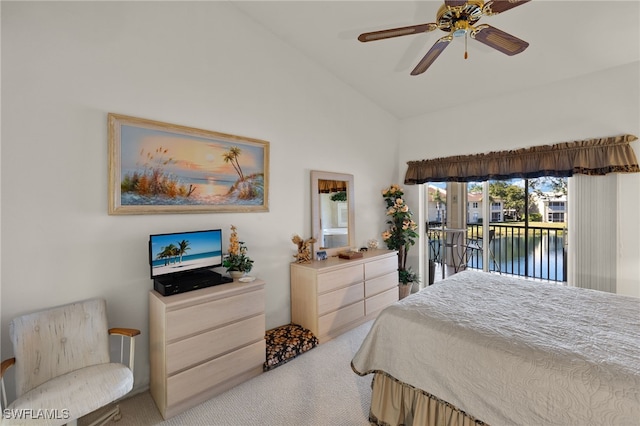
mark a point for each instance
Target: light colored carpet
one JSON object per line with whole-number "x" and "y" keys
{"x": 316, "y": 388}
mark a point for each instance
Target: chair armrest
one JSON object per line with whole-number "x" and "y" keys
{"x": 129, "y": 332}
{"x": 3, "y": 367}
{"x": 6, "y": 364}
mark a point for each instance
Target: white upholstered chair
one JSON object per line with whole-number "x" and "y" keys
{"x": 62, "y": 365}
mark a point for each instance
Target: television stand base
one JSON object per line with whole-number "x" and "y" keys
{"x": 167, "y": 286}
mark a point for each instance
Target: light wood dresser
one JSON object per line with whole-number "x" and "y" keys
{"x": 332, "y": 296}
{"x": 204, "y": 342}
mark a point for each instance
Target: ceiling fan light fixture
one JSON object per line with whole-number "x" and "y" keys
{"x": 469, "y": 12}
{"x": 460, "y": 28}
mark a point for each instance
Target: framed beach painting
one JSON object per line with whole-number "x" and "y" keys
{"x": 157, "y": 167}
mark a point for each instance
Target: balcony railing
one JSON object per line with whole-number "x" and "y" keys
{"x": 539, "y": 253}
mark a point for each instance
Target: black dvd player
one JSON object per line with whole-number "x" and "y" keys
{"x": 182, "y": 283}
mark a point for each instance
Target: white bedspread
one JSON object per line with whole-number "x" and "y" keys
{"x": 510, "y": 351}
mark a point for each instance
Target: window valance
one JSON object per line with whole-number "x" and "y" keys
{"x": 327, "y": 186}
{"x": 589, "y": 157}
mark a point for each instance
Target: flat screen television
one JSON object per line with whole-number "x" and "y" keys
{"x": 184, "y": 252}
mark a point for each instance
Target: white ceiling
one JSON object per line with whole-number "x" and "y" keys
{"x": 566, "y": 39}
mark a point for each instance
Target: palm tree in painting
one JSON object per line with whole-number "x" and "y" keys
{"x": 183, "y": 246}
{"x": 231, "y": 156}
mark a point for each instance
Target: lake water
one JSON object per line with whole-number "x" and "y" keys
{"x": 544, "y": 256}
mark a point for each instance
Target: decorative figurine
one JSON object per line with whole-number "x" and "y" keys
{"x": 304, "y": 249}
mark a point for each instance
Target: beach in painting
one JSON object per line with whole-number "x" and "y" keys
{"x": 206, "y": 193}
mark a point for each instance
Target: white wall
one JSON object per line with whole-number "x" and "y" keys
{"x": 201, "y": 64}
{"x": 598, "y": 105}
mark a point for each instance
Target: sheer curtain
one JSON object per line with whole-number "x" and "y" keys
{"x": 593, "y": 234}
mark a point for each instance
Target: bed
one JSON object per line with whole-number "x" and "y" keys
{"x": 480, "y": 348}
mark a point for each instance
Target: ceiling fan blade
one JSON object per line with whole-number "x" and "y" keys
{"x": 454, "y": 3}
{"x": 499, "y": 40}
{"x": 493, "y": 7}
{"x": 432, "y": 55}
{"x": 397, "y": 32}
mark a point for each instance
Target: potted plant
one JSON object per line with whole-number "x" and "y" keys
{"x": 401, "y": 235}
{"x": 237, "y": 262}
{"x": 406, "y": 279}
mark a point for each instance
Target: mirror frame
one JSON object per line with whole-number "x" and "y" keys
{"x": 316, "y": 176}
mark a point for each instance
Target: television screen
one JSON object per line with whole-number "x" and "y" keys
{"x": 184, "y": 251}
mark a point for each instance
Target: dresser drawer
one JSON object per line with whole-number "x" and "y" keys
{"x": 337, "y": 299}
{"x": 193, "y": 350}
{"x": 380, "y": 267}
{"x": 339, "y": 318}
{"x": 342, "y": 277}
{"x": 380, "y": 284}
{"x": 195, "y": 319}
{"x": 381, "y": 301}
{"x": 191, "y": 382}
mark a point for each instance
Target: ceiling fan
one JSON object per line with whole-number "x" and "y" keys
{"x": 458, "y": 17}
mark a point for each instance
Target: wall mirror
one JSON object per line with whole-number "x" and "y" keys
{"x": 332, "y": 211}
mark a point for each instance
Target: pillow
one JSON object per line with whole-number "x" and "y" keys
{"x": 286, "y": 342}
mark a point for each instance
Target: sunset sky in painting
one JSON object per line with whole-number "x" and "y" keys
{"x": 195, "y": 157}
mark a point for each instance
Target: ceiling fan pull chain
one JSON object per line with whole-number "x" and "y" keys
{"x": 466, "y": 36}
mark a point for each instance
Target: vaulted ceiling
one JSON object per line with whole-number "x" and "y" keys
{"x": 567, "y": 39}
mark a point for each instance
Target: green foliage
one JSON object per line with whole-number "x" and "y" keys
{"x": 512, "y": 196}
{"x": 401, "y": 234}
{"x": 238, "y": 261}
{"x": 408, "y": 276}
{"x": 339, "y": 196}
{"x": 535, "y": 217}
{"x": 474, "y": 187}
{"x": 557, "y": 185}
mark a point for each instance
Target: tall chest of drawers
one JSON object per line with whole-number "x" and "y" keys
{"x": 204, "y": 342}
{"x": 332, "y": 296}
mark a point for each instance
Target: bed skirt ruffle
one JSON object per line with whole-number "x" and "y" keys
{"x": 394, "y": 403}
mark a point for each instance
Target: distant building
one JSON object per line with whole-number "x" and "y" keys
{"x": 552, "y": 206}
{"x": 475, "y": 207}
{"x": 437, "y": 203}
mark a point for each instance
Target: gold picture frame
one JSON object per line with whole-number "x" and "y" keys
{"x": 157, "y": 167}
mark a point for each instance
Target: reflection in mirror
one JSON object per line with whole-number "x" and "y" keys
{"x": 332, "y": 211}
